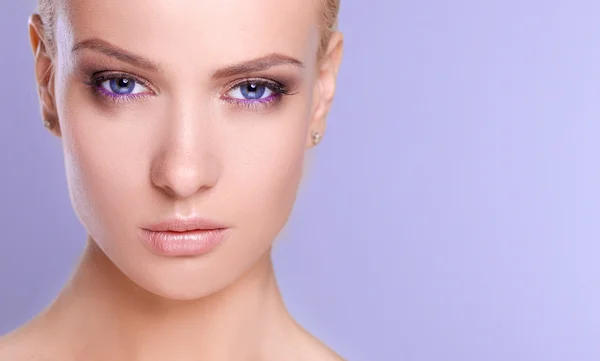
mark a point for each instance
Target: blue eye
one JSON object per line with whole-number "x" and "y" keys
{"x": 122, "y": 86}
{"x": 250, "y": 91}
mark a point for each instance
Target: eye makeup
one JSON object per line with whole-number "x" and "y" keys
{"x": 252, "y": 93}
{"x": 106, "y": 84}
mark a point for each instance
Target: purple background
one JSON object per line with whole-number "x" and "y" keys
{"x": 450, "y": 214}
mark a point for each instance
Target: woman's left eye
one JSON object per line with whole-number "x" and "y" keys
{"x": 122, "y": 86}
{"x": 252, "y": 90}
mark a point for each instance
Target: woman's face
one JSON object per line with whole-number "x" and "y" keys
{"x": 179, "y": 109}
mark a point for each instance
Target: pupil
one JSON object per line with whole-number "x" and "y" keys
{"x": 253, "y": 91}
{"x": 122, "y": 86}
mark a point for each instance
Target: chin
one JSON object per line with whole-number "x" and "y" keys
{"x": 181, "y": 292}
{"x": 182, "y": 279}
{"x": 180, "y": 285}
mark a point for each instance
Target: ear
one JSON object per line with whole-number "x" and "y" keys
{"x": 44, "y": 72}
{"x": 329, "y": 66}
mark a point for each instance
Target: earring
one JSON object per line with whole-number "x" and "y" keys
{"x": 47, "y": 124}
{"x": 317, "y": 138}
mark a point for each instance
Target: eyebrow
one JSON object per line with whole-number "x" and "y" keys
{"x": 118, "y": 53}
{"x": 258, "y": 64}
{"x": 254, "y": 65}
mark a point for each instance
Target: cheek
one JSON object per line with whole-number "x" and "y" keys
{"x": 266, "y": 171}
{"x": 103, "y": 177}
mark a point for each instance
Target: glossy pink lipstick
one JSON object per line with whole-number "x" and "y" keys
{"x": 183, "y": 237}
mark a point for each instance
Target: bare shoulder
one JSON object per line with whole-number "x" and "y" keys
{"x": 327, "y": 355}
{"x": 13, "y": 347}
{"x": 23, "y": 344}
{"x": 315, "y": 349}
{"x": 321, "y": 352}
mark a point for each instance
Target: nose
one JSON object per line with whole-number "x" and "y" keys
{"x": 186, "y": 163}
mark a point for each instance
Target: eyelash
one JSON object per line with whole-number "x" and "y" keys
{"x": 95, "y": 82}
{"x": 278, "y": 89}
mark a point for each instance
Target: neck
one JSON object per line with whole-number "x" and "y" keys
{"x": 112, "y": 318}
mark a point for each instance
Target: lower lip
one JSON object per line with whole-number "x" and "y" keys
{"x": 190, "y": 243}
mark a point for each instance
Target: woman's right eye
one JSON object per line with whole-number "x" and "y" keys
{"x": 121, "y": 86}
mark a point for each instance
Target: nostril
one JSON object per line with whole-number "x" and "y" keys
{"x": 181, "y": 179}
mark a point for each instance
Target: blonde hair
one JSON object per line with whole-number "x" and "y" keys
{"x": 328, "y": 23}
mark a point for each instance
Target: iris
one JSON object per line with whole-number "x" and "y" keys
{"x": 122, "y": 85}
{"x": 252, "y": 91}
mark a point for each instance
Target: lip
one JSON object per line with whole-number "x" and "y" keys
{"x": 183, "y": 237}
{"x": 184, "y": 225}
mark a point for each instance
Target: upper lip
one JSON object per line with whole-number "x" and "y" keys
{"x": 184, "y": 225}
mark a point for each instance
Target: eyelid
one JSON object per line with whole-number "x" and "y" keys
{"x": 238, "y": 82}
{"x": 101, "y": 76}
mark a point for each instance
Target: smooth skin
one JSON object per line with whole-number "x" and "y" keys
{"x": 183, "y": 144}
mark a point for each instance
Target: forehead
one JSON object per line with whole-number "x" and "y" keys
{"x": 179, "y": 33}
